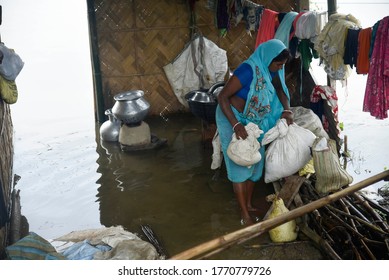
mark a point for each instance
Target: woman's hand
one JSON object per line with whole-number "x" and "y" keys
{"x": 288, "y": 116}
{"x": 240, "y": 131}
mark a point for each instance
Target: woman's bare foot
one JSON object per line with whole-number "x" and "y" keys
{"x": 246, "y": 221}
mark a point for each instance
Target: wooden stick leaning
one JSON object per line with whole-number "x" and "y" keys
{"x": 264, "y": 226}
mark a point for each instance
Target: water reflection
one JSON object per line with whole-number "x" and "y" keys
{"x": 171, "y": 188}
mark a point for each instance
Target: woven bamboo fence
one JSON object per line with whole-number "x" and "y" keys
{"x": 134, "y": 39}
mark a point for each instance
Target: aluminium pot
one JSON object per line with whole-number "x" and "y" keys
{"x": 130, "y": 107}
{"x": 109, "y": 130}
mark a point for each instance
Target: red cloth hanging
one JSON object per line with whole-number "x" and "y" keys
{"x": 376, "y": 99}
{"x": 363, "y": 60}
{"x": 267, "y": 27}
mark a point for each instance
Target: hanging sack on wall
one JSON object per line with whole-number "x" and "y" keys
{"x": 201, "y": 64}
{"x": 8, "y": 90}
{"x": 10, "y": 63}
{"x": 330, "y": 176}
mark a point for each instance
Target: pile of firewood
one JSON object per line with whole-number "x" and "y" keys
{"x": 352, "y": 227}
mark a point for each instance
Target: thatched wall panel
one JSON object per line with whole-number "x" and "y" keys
{"x": 164, "y": 101}
{"x": 115, "y": 85}
{"x": 163, "y": 13}
{"x": 239, "y": 45}
{"x": 114, "y": 15}
{"x": 136, "y": 38}
{"x": 167, "y": 44}
{"x": 117, "y": 55}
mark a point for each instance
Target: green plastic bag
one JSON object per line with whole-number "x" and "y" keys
{"x": 8, "y": 90}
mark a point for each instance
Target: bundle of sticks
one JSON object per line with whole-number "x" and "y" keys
{"x": 352, "y": 227}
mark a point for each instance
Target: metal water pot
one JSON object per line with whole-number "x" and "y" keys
{"x": 130, "y": 107}
{"x": 109, "y": 130}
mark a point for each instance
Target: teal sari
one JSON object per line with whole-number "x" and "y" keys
{"x": 262, "y": 108}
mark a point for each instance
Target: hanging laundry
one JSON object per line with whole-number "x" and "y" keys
{"x": 306, "y": 30}
{"x": 376, "y": 99}
{"x": 326, "y": 94}
{"x": 307, "y": 25}
{"x": 307, "y": 52}
{"x": 351, "y": 47}
{"x": 321, "y": 21}
{"x": 237, "y": 8}
{"x": 330, "y": 45}
{"x": 283, "y": 31}
{"x": 364, "y": 42}
{"x": 373, "y": 34}
{"x": 267, "y": 27}
{"x": 294, "y": 25}
{"x": 252, "y": 13}
{"x": 222, "y": 16}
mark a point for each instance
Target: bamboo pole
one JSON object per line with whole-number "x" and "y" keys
{"x": 264, "y": 226}
{"x": 97, "y": 79}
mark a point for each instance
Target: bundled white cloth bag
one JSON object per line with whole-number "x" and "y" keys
{"x": 217, "y": 155}
{"x": 246, "y": 152}
{"x": 289, "y": 150}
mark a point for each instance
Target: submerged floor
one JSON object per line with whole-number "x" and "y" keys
{"x": 172, "y": 189}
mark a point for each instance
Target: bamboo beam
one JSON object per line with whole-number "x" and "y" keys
{"x": 264, "y": 226}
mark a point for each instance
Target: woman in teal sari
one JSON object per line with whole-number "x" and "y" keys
{"x": 256, "y": 93}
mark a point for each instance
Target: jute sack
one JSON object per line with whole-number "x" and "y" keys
{"x": 330, "y": 176}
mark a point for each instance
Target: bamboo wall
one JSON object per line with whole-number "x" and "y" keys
{"x": 134, "y": 39}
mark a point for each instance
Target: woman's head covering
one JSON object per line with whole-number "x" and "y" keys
{"x": 265, "y": 53}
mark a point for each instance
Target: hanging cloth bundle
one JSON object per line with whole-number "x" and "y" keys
{"x": 330, "y": 44}
{"x": 283, "y": 31}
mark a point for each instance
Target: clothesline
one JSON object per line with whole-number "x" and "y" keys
{"x": 308, "y": 34}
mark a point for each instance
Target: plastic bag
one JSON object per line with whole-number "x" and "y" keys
{"x": 8, "y": 91}
{"x": 289, "y": 150}
{"x": 286, "y": 232}
{"x": 11, "y": 64}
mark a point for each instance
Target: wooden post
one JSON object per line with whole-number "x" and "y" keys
{"x": 331, "y": 9}
{"x": 97, "y": 83}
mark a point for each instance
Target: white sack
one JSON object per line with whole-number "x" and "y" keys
{"x": 201, "y": 64}
{"x": 246, "y": 152}
{"x": 289, "y": 150}
{"x": 306, "y": 118}
{"x": 217, "y": 155}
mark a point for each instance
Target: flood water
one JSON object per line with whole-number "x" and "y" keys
{"x": 171, "y": 188}
{"x": 76, "y": 181}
